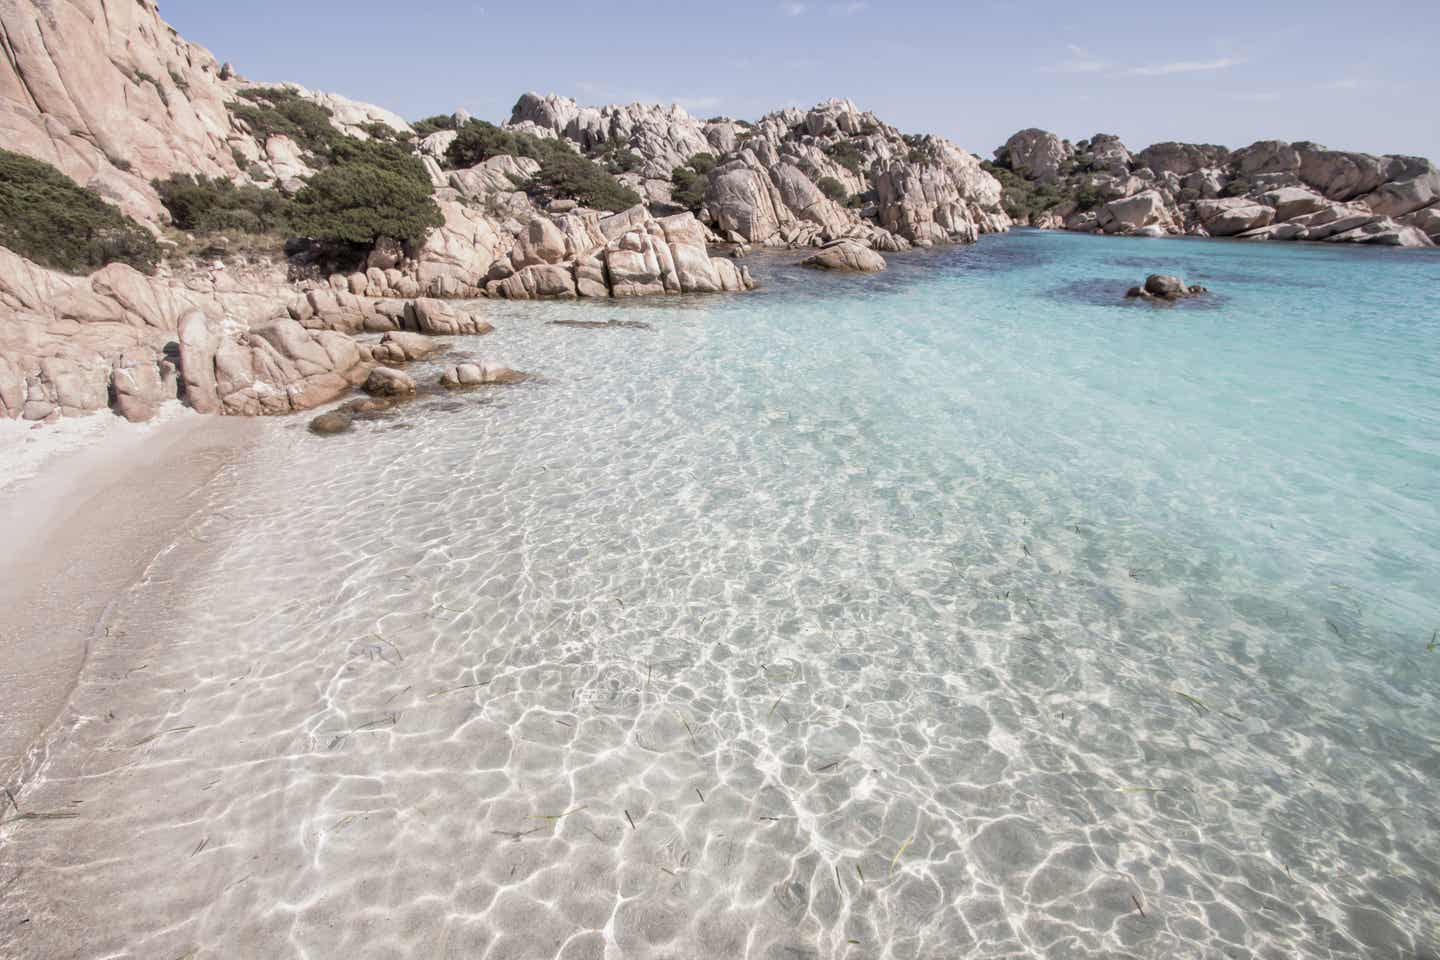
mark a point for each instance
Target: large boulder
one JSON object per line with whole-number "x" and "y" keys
{"x": 440, "y": 319}
{"x": 1181, "y": 159}
{"x": 1036, "y": 154}
{"x": 1133, "y": 214}
{"x": 276, "y": 368}
{"x": 1292, "y": 202}
{"x": 1229, "y": 216}
{"x": 1397, "y": 198}
{"x": 846, "y": 256}
{"x": 479, "y": 374}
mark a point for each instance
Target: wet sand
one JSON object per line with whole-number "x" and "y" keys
{"x": 79, "y": 534}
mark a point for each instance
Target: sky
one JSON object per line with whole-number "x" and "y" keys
{"x": 976, "y": 71}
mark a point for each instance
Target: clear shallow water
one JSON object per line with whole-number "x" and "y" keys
{"x": 963, "y": 611}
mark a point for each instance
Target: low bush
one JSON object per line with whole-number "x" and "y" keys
{"x": 478, "y": 141}
{"x": 692, "y": 181}
{"x": 48, "y": 218}
{"x": 833, "y": 189}
{"x": 1238, "y": 187}
{"x": 563, "y": 172}
{"x": 618, "y": 158}
{"x": 355, "y": 204}
{"x": 285, "y": 113}
{"x": 848, "y": 155}
{"x": 569, "y": 175}
{"x": 206, "y": 206}
{"x": 423, "y": 128}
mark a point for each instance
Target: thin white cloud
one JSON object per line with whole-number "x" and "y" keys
{"x": 794, "y": 9}
{"x": 1348, "y": 83}
{"x": 1258, "y": 96}
{"x": 1081, "y": 61}
{"x": 1184, "y": 66}
{"x": 850, "y": 9}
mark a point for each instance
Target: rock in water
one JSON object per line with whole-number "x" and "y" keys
{"x": 329, "y": 424}
{"x": 847, "y": 256}
{"x": 386, "y": 382}
{"x": 1159, "y": 286}
{"x": 478, "y": 375}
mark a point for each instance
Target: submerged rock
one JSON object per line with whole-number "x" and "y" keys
{"x": 329, "y": 424}
{"x": 478, "y": 375}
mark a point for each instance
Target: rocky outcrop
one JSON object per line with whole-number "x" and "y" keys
{"x": 1233, "y": 215}
{"x": 1269, "y": 190}
{"x": 113, "y": 97}
{"x": 275, "y": 368}
{"x": 846, "y": 256}
{"x": 71, "y": 346}
{"x": 662, "y": 137}
{"x": 796, "y": 178}
{"x": 628, "y": 254}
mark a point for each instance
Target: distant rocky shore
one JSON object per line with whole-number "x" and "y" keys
{"x": 223, "y": 303}
{"x": 1270, "y": 190}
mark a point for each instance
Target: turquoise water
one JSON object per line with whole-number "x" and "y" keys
{"x": 962, "y": 611}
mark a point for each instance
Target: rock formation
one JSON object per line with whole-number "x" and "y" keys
{"x": 1270, "y": 190}
{"x": 846, "y": 256}
{"x": 113, "y": 97}
{"x": 886, "y": 190}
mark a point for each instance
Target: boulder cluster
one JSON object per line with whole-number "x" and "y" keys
{"x": 1270, "y": 190}
{"x": 795, "y": 178}
{"x": 70, "y": 346}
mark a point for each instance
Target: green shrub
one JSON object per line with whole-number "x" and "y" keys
{"x": 848, "y": 155}
{"x": 617, "y": 157}
{"x": 355, "y": 204}
{"x": 365, "y": 190}
{"x": 379, "y": 130}
{"x": 570, "y": 175}
{"x": 286, "y": 113}
{"x": 833, "y": 189}
{"x": 690, "y": 187}
{"x": 702, "y": 163}
{"x": 563, "y": 172}
{"x": 478, "y": 141}
{"x": 1238, "y": 187}
{"x": 205, "y": 206}
{"x": 48, "y": 218}
{"x": 692, "y": 181}
{"x": 424, "y": 128}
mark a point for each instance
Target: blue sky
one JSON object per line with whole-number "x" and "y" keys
{"x": 1347, "y": 76}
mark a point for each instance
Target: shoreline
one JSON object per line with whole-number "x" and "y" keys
{"x": 84, "y": 527}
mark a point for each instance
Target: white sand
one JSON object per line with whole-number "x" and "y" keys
{"x": 86, "y": 504}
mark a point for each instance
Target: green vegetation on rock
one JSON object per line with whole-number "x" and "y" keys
{"x": 834, "y": 189}
{"x": 356, "y": 204}
{"x": 48, "y": 218}
{"x": 364, "y": 190}
{"x": 563, "y": 172}
{"x": 692, "y": 181}
{"x": 204, "y": 206}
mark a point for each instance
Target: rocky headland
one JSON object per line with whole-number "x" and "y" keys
{"x": 1270, "y": 190}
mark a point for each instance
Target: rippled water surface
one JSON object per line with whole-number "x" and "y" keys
{"x": 963, "y": 611}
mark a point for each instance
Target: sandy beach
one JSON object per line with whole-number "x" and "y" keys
{"x": 91, "y": 510}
